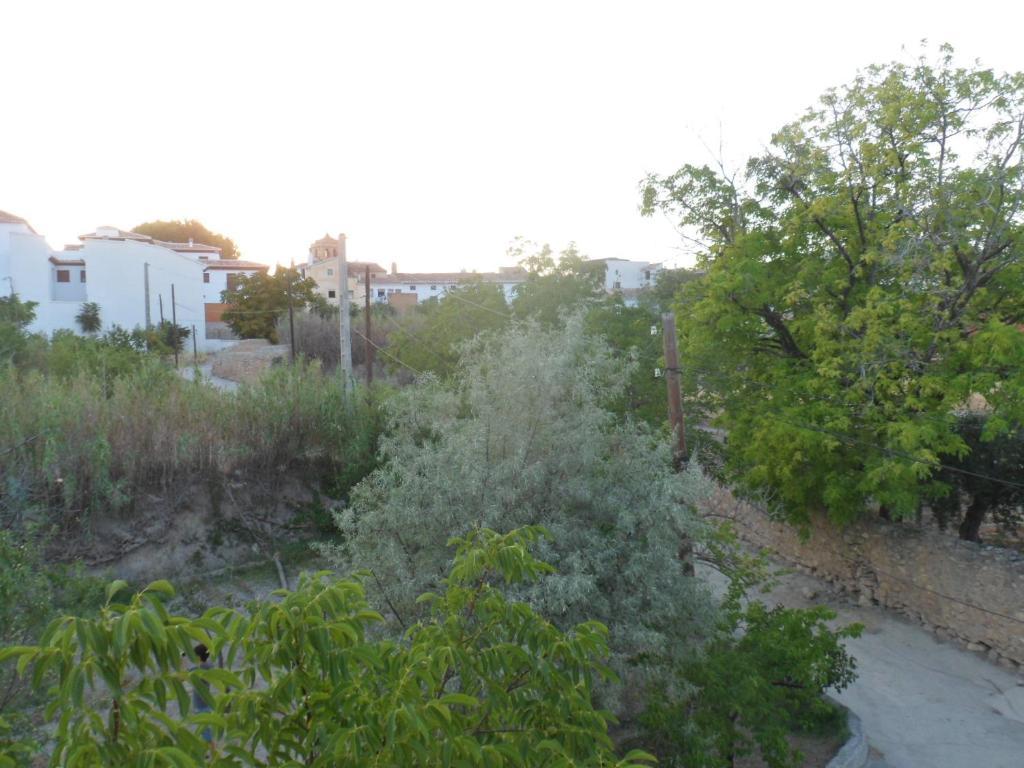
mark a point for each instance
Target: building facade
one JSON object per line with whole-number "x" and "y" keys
{"x": 627, "y": 277}
{"x": 131, "y": 277}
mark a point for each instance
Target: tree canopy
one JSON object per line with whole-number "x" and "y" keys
{"x": 181, "y": 231}
{"x": 863, "y": 281}
{"x": 482, "y": 680}
{"x": 430, "y": 336}
{"x": 553, "y": 285}
{"x": 258, "y": 300}
{"x": 524, "y": 438}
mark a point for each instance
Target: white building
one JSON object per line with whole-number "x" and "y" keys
{"x": 108, "y": 267}
{"x": 432, "y": 285}
{"x": 628, "y": 277}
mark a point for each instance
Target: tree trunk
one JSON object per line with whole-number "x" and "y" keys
{"x": 970, "y": 528}
{"x": 884, "y": 513}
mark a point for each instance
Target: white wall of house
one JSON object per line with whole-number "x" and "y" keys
{"x": 114, "y": 279}
{"x": 626, "y": 275}
{"x": 215, "y": 280}
{"x": 25, "y": 269}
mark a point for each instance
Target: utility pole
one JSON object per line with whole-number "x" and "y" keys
{"x": 368, "y": 354}
{"x": 145, "y": 280}
{"x": 291, "y": 315}
{"x": 672, "y": 379}
{"x": 161, "y": 297}
{"x": 174, "y": 325}
{"x": 195, "y": 347}
{"x": 345, "y": 361}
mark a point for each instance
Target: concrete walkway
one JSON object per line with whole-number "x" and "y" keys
{"x": 924, "y": 703}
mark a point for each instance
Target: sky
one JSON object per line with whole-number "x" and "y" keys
{"x": 431, "y": 133}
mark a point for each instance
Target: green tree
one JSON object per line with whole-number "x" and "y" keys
{"x": 482, "y": 680}
{"x": 974, "y": 477}
{"x": 667, "y": 287}
{"x": 88, "y": 318}
{"x": 555, "y": 286}
{"x": 524, "y": 438}
{"x": 184, "y": 230}
{"x": 15, "y": 318}
{"x": 863, "y": 280}
{"x": 258, "y": 300}
{"x": 627, "y": 331}
{"x": 430, "y": 337}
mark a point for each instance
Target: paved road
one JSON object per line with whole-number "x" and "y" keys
{"x": 924, "y": 703}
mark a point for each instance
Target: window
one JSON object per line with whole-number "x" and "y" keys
{"x": 81, "y": 276}
{"x": 330, "y": 273}
{"x": 380, "y": 293}
{"x": 617, "y": 286}
{"x": 647, "y": 275}
{"x": 206, "y": 277}
{"x": 433, "y": 287}
{"x": 63, "y": 275}
{"x": 412, "y": 287}
{"x": 332, "y": 294}
{"x": 232, "y": 278}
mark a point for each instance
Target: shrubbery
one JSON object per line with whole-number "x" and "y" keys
{"x": 524, "y": 440}
{"x": 482, "y": 680}
{"x": 90, "y": 443}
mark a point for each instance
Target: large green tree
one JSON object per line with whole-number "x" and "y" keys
{"x": 555, "y": 285}
{"x": 863, "y": 282}
{"x": 180, "y": 231}
{"x": 525, "y": 437}
{"x": 258, "y": 300}
{"x": 429, "y": 338}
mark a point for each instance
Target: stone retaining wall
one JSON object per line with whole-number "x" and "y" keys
{"x": 956, "y": 588}
{"x": 247, "y": 360}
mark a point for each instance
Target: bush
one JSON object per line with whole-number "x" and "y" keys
{"x": 484, "y": 680}
{"x": 760, "y": 678}
{"x": 524, "y": 441}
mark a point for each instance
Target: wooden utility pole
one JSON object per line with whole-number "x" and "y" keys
{"x": 345, "y": 361}
{"x": 174, "y": 325}
{"x": 145, "y": 282}
{"x": 160, "y": 296}
{"x": 368, "y": 347}
{"x": 672, "y": 379}
{"x": 195, "y": 347}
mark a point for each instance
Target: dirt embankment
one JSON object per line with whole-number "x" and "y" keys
{"x": 199, "y": 528}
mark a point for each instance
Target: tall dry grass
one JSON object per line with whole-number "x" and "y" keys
{"x": 75, "y": 446}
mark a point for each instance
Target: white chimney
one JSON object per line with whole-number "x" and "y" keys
{"x": 394, "y": 267}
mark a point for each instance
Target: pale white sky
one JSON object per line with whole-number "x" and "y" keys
{"x": 432, "y": 133}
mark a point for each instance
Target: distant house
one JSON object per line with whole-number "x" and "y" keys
{"x": 433, "y": 285}
{"x": 628, "y": 278}
{"x": 322, "y": 266}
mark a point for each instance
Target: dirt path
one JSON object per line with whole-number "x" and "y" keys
{"x": 205, "y": 372}
{"x": 924, "y": 703}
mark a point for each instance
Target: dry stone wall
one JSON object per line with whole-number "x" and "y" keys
{"x": 956, "y": 588}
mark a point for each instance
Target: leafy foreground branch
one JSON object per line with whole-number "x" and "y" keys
{"x": 304, "y": 681}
